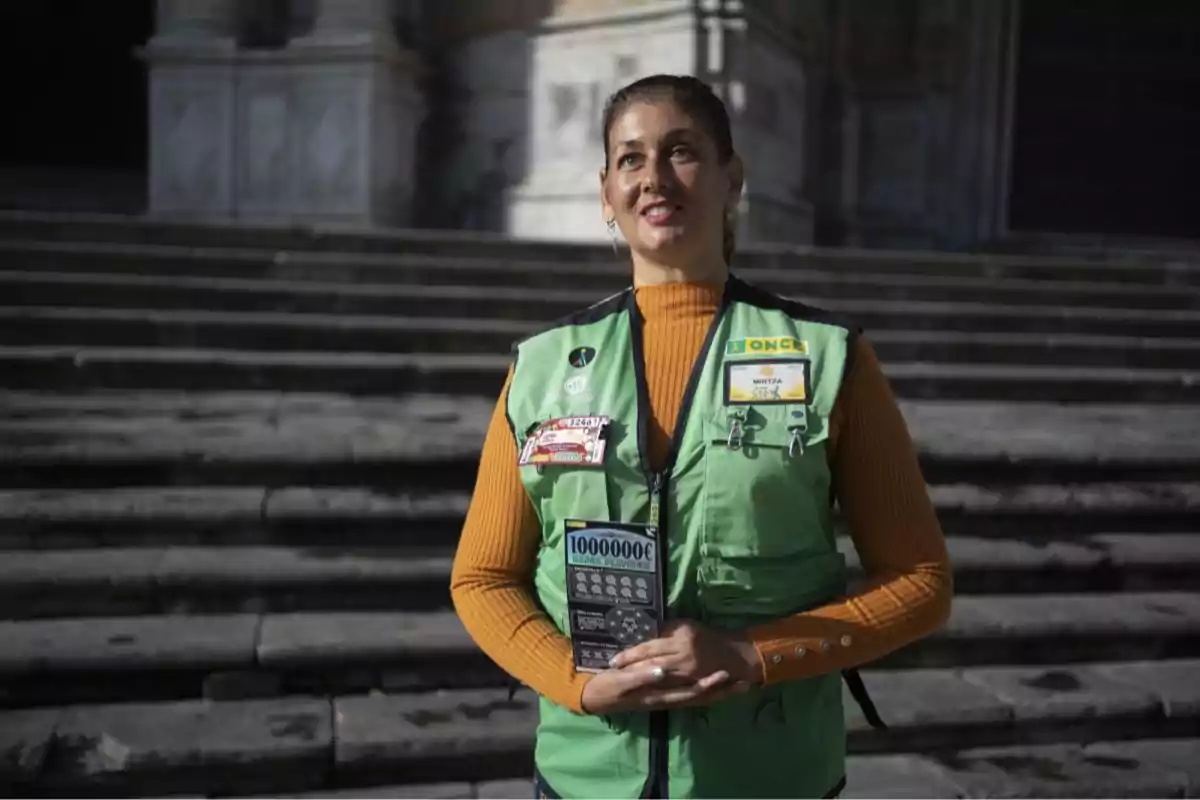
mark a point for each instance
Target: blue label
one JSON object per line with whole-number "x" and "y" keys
{"x": 611, "y": 549}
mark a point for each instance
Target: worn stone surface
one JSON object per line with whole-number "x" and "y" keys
{"x": 291, "y": 639}
{"x": 1176, "y": 549}
{"x": 1058, "y": 771}
{"x": 293, "y": 430}
{"x": 116, "y": 643}
{"x": 308, "y": 424}
{"x": 211, "y": 504}
{"x": 1068, "y": 691}
{"x": 291, "y": 565}
{"x": 1036, "y": 430}
{"x": 519, "y": 789}
{"x": 416, "y": 791}
{"x": 975, "y": 552}
{"x": 1065, "y": 498}
{"x": 315, "y": 502}
{"x": 1177, "y": 683}
{"x": 25, "y": 738}
{"x": 126, "y": 568}
{"x": 897, "y": 776}
{"x": 283, "y": 734}
{"x": 916, "y": 698}
{"x": 432, "y": 725}
{"x": 1167, "y": 613}
{"x": 1172, "y": 755}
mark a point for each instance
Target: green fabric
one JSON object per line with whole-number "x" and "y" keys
{"x": 749, "y": 536}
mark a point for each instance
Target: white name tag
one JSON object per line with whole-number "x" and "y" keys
{"x": 767, "y": 381}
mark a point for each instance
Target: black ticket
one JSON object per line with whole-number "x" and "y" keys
{"x": 614, "y": 589}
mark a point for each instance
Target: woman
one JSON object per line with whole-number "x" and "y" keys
{"x": 651, "y": 543}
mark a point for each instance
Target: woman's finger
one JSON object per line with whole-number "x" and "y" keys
{"x": 713, "y": 680}
{"x": 685, "y": 694}
{"x": 640, "y": 676}
{"x": 655, "y": 648}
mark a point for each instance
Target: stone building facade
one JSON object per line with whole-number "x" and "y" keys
{"x": 882, "y": 123}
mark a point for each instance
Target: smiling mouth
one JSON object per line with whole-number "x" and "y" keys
{"x": 661, "y": 213}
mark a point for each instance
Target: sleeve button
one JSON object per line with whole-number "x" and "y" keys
{"x": 775, "y": 659}
{"x": 824, "y": 645}
{"x": 847, "y": 640}
{"x": 800, "y": 651}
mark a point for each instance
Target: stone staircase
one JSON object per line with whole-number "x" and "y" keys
{"x": 234, "y": 463}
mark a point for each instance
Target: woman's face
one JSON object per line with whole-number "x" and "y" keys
{"x": 665, "y": 184}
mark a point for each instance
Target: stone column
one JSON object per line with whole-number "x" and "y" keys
{"x": 352, "y": 113}
{"x": 190, "y": 61}
{"x": 199, "y": 20}
{"x": 351, "y": 18}
{"x": 578, "y": 57}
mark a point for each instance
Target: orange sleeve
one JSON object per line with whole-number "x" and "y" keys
{"x": 493, "y": 574}
{"x": 885, "y": 504}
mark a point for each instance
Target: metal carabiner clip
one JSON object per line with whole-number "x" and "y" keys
{"x": 797, "y": 443}
{"x": 735, "y": 435}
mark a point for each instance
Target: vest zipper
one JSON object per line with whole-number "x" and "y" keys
{"x": 657, "y": 481}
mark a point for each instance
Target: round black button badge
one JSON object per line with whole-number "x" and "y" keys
{"x": 581, "y": 356}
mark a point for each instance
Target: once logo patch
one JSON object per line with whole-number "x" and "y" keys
{"x": 581, "y": 356}
{"x": 764, "y": 345}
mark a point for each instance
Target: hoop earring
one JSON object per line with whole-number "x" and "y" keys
{"x": 612, "y": 233}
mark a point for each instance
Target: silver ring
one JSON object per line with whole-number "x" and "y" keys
{"x": 658, "y": 673}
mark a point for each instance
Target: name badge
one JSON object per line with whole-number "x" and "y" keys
{"x": 614, "y": 589}
{"x": 767, "y": 381}
{"x": 577, "y": 441}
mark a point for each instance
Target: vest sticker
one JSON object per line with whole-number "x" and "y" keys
{"x": 578, "y": 441}
{"x": 767, "y": 381}
{"x": 580, "y": 357}
{"x": 766, "y": 345}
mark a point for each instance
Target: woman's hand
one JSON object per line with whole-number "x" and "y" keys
{"x": 688, "y": 651}
{"x": 644, "y": 687}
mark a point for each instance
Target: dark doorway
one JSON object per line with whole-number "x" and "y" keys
{"x": 76, "y": 102}
{"x": 1107, "y": 118}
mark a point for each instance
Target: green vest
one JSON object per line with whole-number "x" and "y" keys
{"x": 745, "y": 527}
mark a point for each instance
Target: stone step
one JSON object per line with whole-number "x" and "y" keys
{"x": 275, "y": 331}
{"x": 167, "y": 516}
{"x": 386, "y": 374}
{"x": 27, "y": 235}
{"x": 103, "y": 659}
{"x": 155, "y": 437}
{"x": 293, "y": 744}
{"x": 1128, "y": 768}
{"x": 301, "y": 516}
{"x": 81, "y": 368}
{"x": 866, "y": 296}
{"x": 113, "y": 581}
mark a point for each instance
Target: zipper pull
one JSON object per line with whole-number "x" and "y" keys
{"x": 796, "y": 446}
{"x": 655, "y": 498}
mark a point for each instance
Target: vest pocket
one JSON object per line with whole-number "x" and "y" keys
{"x": 767, "y": 548}
{"x": 766, "y": 488}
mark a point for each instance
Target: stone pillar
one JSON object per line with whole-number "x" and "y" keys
{"x": 198, "y": 20}
{"x": 351, "y": 18}
{"x": 589, "y": 49}
{"x": 756, "y": 60}
{"x": 579, "y": 56}
{"x": 352, "y": 113}
{"x": 191, "y": 65}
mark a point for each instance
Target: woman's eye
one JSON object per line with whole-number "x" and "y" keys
{"x": 627, "y": 160}
{"x": 681, "y": 151}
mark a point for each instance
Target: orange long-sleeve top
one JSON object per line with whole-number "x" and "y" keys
{"x": 878, "y": 485}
